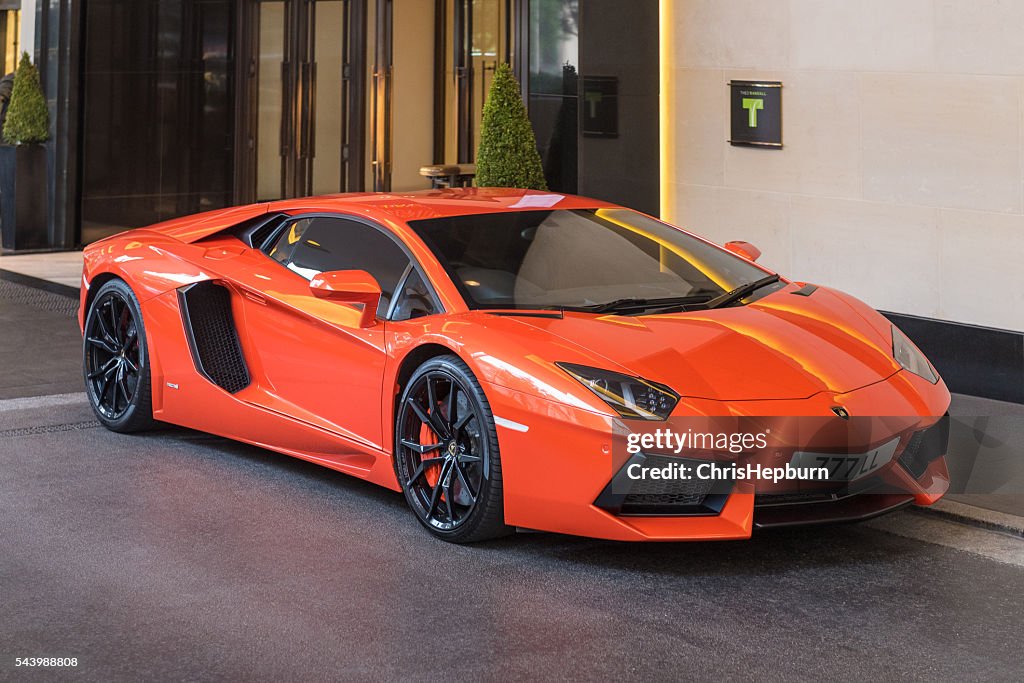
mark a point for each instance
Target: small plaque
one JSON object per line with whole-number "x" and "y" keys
{"x": 600, "y": 107}
{"x": 756, "y": 113}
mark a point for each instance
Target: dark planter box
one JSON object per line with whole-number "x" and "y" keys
{"x": 23, "y": 207}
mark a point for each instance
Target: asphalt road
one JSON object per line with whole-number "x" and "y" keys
{"x": 180, "y": 556}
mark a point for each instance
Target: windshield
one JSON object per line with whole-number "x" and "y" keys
{"x": 580, "y": 259}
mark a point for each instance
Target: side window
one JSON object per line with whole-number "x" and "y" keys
{"x": 415, "y": 300}
{"x": 310, "y": 246}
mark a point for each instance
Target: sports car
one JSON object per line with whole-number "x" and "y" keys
{"x": 517, "y": 359}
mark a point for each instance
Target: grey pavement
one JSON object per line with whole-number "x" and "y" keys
{"x": 40, "y": 344}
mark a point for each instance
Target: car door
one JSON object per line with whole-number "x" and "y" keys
{"x": 314, "y": 362}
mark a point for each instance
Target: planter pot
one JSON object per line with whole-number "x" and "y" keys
{"x": 23, "y": 206}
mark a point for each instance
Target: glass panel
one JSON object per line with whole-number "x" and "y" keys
{"x": 270, "y": 100}
{"x": 487, "y": 51}
{"x": 328, "y": 49}
{"x": 10, "y": 23}
{"x": 158, "y": 136}
{"x": 412, "y": 107}
{"x": 554, "y": 60}
{"x": 212, "y": 170}
{"x": 451, "y": 92}
{"x": 488, "y": 33}
{"x": 371, "y": 87}
{"x": 415, "y": 300}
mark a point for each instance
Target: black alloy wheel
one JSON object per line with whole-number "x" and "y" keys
{"x": 116, "y": 365}
{"x": 447, "y": 457}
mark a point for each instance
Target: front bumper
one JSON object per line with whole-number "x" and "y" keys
{"x": 558, "y": 472}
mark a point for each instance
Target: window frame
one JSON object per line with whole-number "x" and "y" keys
{"x": 399, "y": 286}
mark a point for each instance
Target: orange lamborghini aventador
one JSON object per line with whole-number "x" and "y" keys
{"x": 509, "y": 359}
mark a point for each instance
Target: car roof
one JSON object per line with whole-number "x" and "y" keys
{"x": 426, "y": 204}
{"x": 394, "y": 206}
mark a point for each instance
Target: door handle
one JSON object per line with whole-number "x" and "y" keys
{"x": 254, "y": 297}
{"x": 305, "y": 100}
{"x": 286, "y": 125}
{"x": 312, "y": 110}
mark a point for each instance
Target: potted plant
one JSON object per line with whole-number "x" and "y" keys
{"x": 23, "y": 200}
{"x": 507, "y": 156}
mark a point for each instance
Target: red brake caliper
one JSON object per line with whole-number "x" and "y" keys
{"x": 433, "y": 472}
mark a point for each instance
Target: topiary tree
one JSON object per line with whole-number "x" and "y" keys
{"x": 507, "y": 156}
{"x": 28, "y": 120}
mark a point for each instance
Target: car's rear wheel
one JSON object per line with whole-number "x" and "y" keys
{"x": 446, "y": 453}
{"x": 116, "y": 360}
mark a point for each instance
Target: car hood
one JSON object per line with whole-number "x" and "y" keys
{"x": 783, "y": 346}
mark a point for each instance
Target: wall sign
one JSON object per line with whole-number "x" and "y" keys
{"x": 756, "y": 113}
{"x": 600, "y": 107}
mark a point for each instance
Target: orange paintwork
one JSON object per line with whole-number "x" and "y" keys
{"x": 324, "y": 385}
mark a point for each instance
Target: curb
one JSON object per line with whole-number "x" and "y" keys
{"x": 975, "y": 516}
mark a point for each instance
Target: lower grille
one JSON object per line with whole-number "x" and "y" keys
{"x": 663, "y": 497}
{"x": 925, "y": 447}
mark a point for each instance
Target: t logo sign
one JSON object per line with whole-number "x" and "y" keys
{"x": 752, "y": 104}
{"x": 755, "y": 114}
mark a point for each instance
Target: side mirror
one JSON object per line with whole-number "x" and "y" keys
{"x": 349, "y": 287}
{"x": 744, "y": 249}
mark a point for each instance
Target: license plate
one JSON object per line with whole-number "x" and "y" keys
{"x": 848, "y": 466}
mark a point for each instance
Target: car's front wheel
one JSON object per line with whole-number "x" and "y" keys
{"x": 446, "y": 453}
{"x": 116, "y": 360}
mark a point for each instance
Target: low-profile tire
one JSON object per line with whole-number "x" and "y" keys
{"x": 446, "y": 453}
{"x": 115, "y": 360}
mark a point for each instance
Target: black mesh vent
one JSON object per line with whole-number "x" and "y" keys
{"x": 925, "y": 447}
{"x": 213, "y": 338}
{"x": 660, "y": 497}
{"x": 667, "y": 491}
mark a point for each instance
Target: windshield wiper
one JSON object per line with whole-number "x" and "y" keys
{"x": 634, "y": 304}
{"x": 742, "y": 291}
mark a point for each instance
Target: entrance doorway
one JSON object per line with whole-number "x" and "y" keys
{"x": 350, "y": 95}
{"x": 433, "y": 66}
{"x": 305, "y": 97}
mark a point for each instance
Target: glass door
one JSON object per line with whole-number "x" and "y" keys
{"x": 345, "y": 95}
{"x": 307, "y": 91}
{"x": 429, "y": 86}
{"x": 271, "y": 75}
{"x": 481, "y": 38}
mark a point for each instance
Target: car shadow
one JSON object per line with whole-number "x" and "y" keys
{"x": 768, "y": 551}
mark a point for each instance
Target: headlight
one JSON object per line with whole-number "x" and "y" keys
{"x": 910, "y": 358}
{"x": 631, "y": 397}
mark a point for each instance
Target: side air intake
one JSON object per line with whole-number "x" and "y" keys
{"x": 212, "y": 335}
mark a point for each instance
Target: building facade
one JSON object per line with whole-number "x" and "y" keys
{"x": 171, "y": 107}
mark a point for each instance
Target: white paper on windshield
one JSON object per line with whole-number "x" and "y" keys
{"x": 538, "y": 201}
